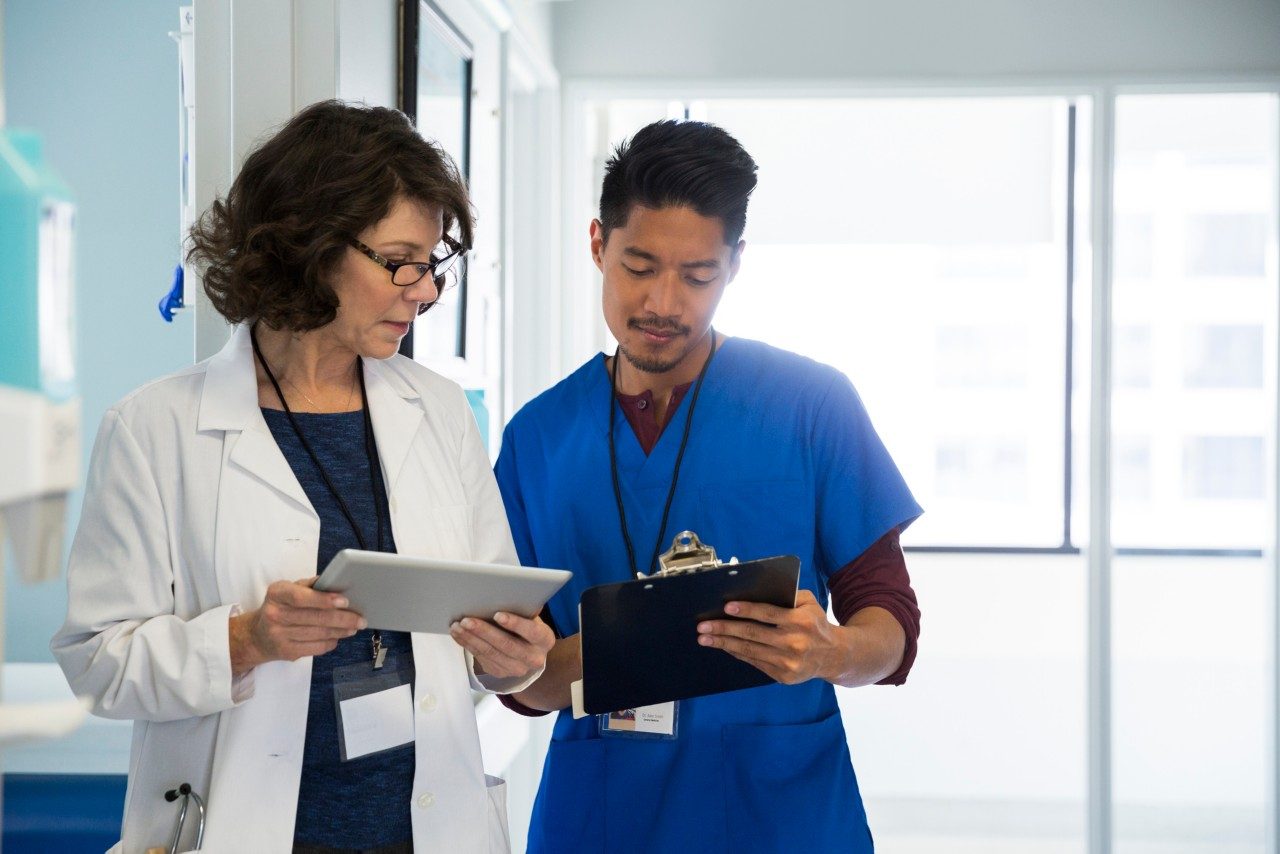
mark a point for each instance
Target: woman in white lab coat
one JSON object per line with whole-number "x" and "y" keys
{"x": 216, "y": 493}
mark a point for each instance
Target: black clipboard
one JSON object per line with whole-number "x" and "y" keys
{"x": 640, "y": 638}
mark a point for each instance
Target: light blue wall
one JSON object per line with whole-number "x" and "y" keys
{"x": 99, "y": 81}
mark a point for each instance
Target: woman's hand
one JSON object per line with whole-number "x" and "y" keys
{"x": 515, "y": 647}
{"x": 294, "y": 621}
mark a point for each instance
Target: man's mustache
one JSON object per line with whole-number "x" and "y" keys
{"x": 657, "y": 324}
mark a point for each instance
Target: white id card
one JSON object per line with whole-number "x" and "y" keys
{"x": 374, "y": 708}
{"x": 656, "y": 721}
{"x": 377, "y": 722}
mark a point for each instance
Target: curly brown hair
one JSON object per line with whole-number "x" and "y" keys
{"x": 269, "y": 248}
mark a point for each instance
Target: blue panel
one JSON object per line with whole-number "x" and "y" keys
{"x": 55, "y": 813}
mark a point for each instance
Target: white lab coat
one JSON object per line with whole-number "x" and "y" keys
{"x": 191, "y": 511}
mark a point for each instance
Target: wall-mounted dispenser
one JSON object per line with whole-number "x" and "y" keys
{"x": 39, "y": 409}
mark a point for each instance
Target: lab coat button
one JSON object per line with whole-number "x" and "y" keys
{"x": 428, "y": 703}
{"x": 426, "y": 799}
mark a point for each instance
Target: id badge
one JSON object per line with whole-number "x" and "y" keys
{"x": 656, "y": 721}
{"x": 374, "y": 708}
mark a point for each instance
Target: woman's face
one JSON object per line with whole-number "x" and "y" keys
{"x": 374, "y": 314}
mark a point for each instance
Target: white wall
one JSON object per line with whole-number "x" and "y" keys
{"x": 532, "y": 20}
{"x": 924, "y": 39}
{"x": 259, "y": 63}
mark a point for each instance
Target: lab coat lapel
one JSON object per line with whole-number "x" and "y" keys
{"x": 396, "y": 420}
{"x": 229, "y": 402}
{"x": 256, "y": 452}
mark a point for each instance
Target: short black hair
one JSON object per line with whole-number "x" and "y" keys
{"x": 679, "y": 164}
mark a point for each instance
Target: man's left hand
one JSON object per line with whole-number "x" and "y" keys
{"x": 797, "y": 645}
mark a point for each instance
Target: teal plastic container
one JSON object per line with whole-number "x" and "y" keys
{"x": 37, "y": 275}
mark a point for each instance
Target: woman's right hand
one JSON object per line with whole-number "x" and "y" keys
{"x": 293, "y": 621}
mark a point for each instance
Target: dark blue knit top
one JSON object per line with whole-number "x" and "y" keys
{"x": 364, "y": 802}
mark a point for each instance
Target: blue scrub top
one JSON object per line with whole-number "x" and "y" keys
{"x": 782, "y": 459}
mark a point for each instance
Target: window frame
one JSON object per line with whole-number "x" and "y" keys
{"x": 417, "y": 17}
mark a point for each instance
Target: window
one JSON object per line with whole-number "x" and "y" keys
{"x": 1191, "y": 336}
{"x": 1132, "y": 345}
{"x": 1226, "y": 244}
{"x": 436, "y": 93}
{"x": 1133, "y": 253}
{"x": 1218, "y": 468}
{"x": 1189, "y": 510}
{"x": 935, "y": 277}
{"x": 986, "y": 469}
{"x": 981, "y": 357}
{"x": 1223, "y": 356}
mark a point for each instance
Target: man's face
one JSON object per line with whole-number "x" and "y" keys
{"x": 664, "y": 274}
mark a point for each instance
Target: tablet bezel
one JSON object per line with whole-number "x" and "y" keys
{"x": 381, "y": 585}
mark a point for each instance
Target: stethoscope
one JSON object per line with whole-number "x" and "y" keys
{"x": 187, "y": 794}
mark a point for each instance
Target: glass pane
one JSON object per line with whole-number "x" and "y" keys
{"x": 1195, "y": 213}
{"x": 1190, "y": 700}
{"x": 982, "y": 751}
{"x": 929, "y": 264}
{"x": 1191, "y": 637}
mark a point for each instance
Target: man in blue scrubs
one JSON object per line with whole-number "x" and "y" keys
{"x": 760, "y": 452}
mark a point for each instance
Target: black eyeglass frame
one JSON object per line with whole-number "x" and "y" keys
{"x": 437, "y": 267}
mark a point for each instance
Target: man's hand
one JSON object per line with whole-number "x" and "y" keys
{"x": 293, "y": 621}
{"x": 799, "y": 643}
{"x": 515, "y": 647}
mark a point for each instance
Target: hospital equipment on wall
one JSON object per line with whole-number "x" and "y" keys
{"x": 39, "y": 409}
{"x": 174, "y": 299}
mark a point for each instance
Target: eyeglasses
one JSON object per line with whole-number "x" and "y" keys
{"x": 406, "y": 273}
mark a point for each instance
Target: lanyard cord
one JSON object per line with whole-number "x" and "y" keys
{"x": 380, "y": 502}
{"x": 675, "y": 474}
{"x": 370, "y": 446}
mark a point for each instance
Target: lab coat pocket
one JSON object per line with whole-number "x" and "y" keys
{"x": 569, "y": 814}
{"x": 791, "y": 788}
{"x": 499, "y": 833}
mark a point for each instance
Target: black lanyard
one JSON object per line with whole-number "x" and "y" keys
{"x": 675, "y": 474}
{"x": 370, "y": 449}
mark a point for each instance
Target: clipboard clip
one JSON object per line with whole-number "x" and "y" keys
{"x": 688, "y": 554}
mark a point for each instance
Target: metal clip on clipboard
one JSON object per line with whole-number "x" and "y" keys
{"x": 688, "y": 554}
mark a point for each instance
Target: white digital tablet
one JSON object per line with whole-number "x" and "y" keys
{"x": 414, "y": 594}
